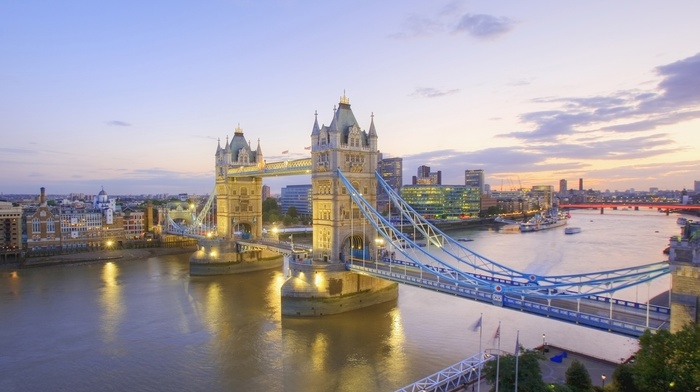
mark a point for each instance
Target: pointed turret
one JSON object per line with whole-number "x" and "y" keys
{"x": 372, "y": 136}
{"x": 315, "y": 131}
{"x": 258, "y": 153}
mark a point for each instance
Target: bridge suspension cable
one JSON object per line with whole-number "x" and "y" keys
{"x": 615, "y": 279}
{"x": 487, "y": 273}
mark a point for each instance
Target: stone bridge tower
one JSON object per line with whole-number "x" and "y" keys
{"x": 239, "y": 199}
{"x": 321, "y": 285}
{"x": 339, "y": 227}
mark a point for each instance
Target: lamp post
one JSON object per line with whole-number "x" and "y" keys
{"x": 544, "y": 343}
{"x": 602, "y": 377}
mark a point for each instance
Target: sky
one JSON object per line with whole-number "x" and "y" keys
{"x": 132, "y": 96}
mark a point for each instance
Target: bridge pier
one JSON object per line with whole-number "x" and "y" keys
{"x": 602, "y": 210}
{"x": 220, "y": 257}
{"x": 319, "y": 288}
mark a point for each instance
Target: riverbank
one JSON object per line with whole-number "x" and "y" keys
{"x": 98, "y": 256}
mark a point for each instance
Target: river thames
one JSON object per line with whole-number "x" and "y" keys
{"x": 146, "y": 325}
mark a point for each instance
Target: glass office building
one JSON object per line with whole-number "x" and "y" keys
{"x": 443, "y": 201}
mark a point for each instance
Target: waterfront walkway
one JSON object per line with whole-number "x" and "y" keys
{"x": 102, "y": 256}
{"x": 555, "y": 372}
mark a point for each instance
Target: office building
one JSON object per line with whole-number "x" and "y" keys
{"x": 297, "y": 196}
{"x": 563, "y": 187}
{"x": 543, "y": 196}
{"x": 391, "y": 170}
{"x": 475, "y": 179}
{"x": 426, "y": 177}
{"x": 443, "y": 201}
{"x": 10, "y": 230}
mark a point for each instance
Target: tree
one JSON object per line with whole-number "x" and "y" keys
{"x": 270, "y": 210}
{"x": 529, "y": 372}
{"x": 292, "y": 212}
{"x": 577, "y": 377}
{"x": 623, "y": 379}
{"x": 667, "y": 361}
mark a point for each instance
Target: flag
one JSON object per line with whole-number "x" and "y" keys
{"x": 285, "y": 152}
{"x": 477, "y": 324}
{"x": 307, "y": 148}
{"x": 497, "y": 335}
{"x": 517, "y": 352}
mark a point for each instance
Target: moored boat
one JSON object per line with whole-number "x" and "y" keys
{"x": 542, "y": 221}
{"x": 572, "y": 230}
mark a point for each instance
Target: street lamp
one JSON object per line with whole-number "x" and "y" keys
{"x": 378, "y": 243}
{"x": 544, "y": 343}
{"x": 602, "y": 377}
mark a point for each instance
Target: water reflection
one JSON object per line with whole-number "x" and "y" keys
{"x": 111, "y": 301}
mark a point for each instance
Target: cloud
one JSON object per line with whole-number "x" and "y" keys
{"x": 6, "y": 150}
{"x": 429, "y": 92}
{"x": 674, "y": 100}
{"x": 483, "y": 26}
{"x": 419, "y": 26}
{"x": 480, "y": 26}
{"x": 117, "y": 123}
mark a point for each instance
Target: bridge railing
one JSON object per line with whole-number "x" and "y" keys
{"x": 462, "y": 373}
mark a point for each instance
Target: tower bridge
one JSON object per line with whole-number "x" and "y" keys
{"x": 347, "y": 266}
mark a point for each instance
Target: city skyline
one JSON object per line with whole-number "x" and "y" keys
{"x": 133, "y": 96}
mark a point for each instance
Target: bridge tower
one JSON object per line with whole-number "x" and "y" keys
{"x": 340, "y": 230}
{"x": 239, "y": 199}
{"x": 684, "y": 258}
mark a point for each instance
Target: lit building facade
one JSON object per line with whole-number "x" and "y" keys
{"x": 10, "y": 229}
{"x": 475, "y": 179}
{"x": 426, "y": 177}
{"x": 391, "y": 170}
{"x": 543, "y": 196}
{"x": 134, "y": 224}
{"x": 443, "y": 201}
{"x": 297, "y": 196}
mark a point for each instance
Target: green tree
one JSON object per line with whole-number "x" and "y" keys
{"x": 292, "y": 212}
{"x": 529, "y": 372}
{"x": 623, "y": 379}
{"x": 270, "y": 210}
{"x": 577, "y": 377}
{"x": 667, "y": 361}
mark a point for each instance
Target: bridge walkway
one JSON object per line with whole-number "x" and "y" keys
{"x": 624, "y": 317}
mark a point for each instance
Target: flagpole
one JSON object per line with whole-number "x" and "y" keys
{"x": 498, "y": 358}
{"x": 481, "y": 352}
{"x": 517, "y": 354}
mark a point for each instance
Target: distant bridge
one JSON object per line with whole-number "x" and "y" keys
{"x": 659, "y": 206}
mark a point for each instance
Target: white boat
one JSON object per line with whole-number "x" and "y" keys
{"x": 549, "y": 219}
{"x": 464, "y": 239}
{"x": 682, "y": 221}
{"x": 572, "y": 230}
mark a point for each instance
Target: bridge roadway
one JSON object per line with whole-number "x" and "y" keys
{"x": 623, "y": 317}
{"x": 286, "y": 248}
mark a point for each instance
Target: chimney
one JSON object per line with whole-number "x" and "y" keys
{"x": 42, "y": 198}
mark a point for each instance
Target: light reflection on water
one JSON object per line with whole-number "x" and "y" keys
{"x": 147, "y": 325}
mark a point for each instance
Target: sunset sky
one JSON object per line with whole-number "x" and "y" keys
{"x": 133, "y": 95}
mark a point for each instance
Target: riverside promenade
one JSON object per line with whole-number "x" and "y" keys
{"x": 99, "y": 256}
{"x": 555, "y": 372}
